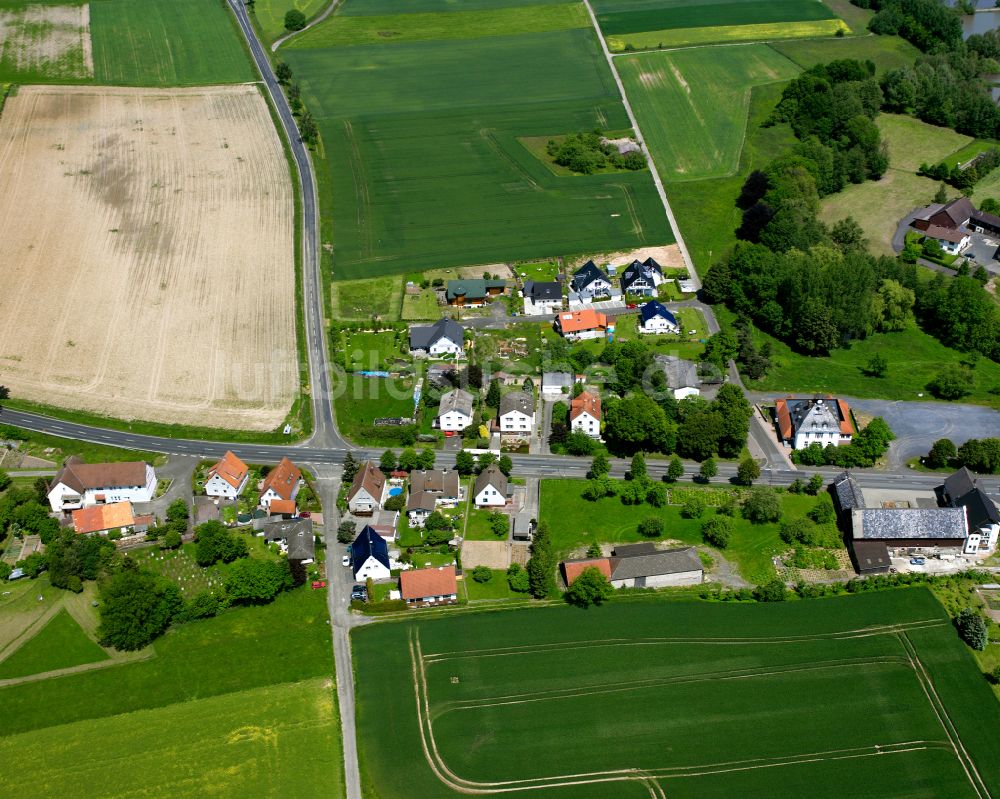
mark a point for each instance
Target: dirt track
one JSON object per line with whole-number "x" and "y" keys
{"x": 146, "y": 250}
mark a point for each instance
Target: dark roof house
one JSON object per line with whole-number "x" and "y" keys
{"x": 641, "y": 276}
{"x": 957, "y": 485}
{"x": 589, "y": 277}
{"x": 952, "y": 215}
{"x": 368, "y": 544}
{"x": 846, "y": 493}
{"x": 910, "y": 526}
{"x": 425, "y": 337}
{"x": 655, "y": 308}
{"x": 297, "y": 535}
{"x": 538, "y": 291}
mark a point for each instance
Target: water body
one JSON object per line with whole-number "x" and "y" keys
{"x": 981, "y": 21}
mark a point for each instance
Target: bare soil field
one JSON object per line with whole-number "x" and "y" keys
{"x": 48, "y": 40}
{"x": 146, "y": 238}
{"x": 668, "y": 256}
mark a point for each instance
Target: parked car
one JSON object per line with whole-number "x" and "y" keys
{"x": 305, "y": 514}
{"x": 632, "y": 306}
{"x": 346, "y": 560}
{"x": 359, "y": 592}
{"x": 917, "y": 561}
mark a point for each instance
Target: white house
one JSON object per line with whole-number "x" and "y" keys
{"x": 813, "y": 420}
{"x": 542, "y": 297}
{"x": 590, "y": 283}
{"x": 961, "y": 490}
{"x": 641, "y": 277}
{"x": 227, "y": 478}
{"x": 953, "y": 242}
{"x": 579, "y": 325}
{"x": 370, "y": 556}
{"x": 80, "y": 485}
{"x": 556, "y": 385}
{"x": 368, "y": 490}
{"x": 517, "y": 413}
{"x": 455, "y": 411}
{"x": 585, "y": 414}
{"x": 419, "y": 506}
{"x": 681, "y": 375}
{"x": 491, "y": 488}
{"x": 654, "y": 318}
{"x": 282, "y": 482}
{"x": 444, "y": 337}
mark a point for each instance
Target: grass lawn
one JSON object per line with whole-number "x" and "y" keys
{"x": 421, "y": 306}
{"x": 61, "y": 643}
{"x": 180, "y": 566}
{"x": 366, "y": 299}
{"x": 362, "y": 400}
{"x": 912, "y": 142}
{"x": 478, "y": 526}
{"x": 180, "y": 43}
{"x": 539, "y": 271}
{"x": 886, "y": 52}
{"x": 270, "y": 14}
{"x": 431, "y": 560}
{"x": 987, "y": 187}
{"x": 629, "y": 687}
{"x": 970, "y": 151}
{"x": 496, "y": 588}
{"x": 57, "y": 449}
{"x": 575, "y": 523}
{"x": 372, "y": 351}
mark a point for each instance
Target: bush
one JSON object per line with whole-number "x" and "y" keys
{"x": 135, "y": 608}
{"x": 295, "y": 20}
{"x": 74, "y": 584}
{"x": 172, "y": 540}
{"x": 203, "y": 605}
{"x": 717, "y": 531}
{"x": 651, "y": 527}
{"x": 254, "y": 581}
{"x": 773, "y": 591}
{"x": 693, "y": 507}
{"x": 517, "y": 578}
{"x": 762, "y": 506}
{"x": 823, "y": 512}
{"x": 397, "y": 502}
{"x": 972, "y": 629}
{"x": 482, "y": 574}
{"x": 499, "y": 524}
{"x": 591, "y": 587}
{"x": 952, "y": 383}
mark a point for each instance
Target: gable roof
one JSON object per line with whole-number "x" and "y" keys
{"x": 435, "y": 480}
{"x": 422, "y": 583}
{"x": 629, "y": 550}
{"x": 517, "y": 401}
{"x": 585, "y": 403}
{"x": 491, "y": 476}
{"x": 231, "y": 469}
{"x": 954, "y": 214}
{"x": 940, "y": 233}
{"x": 82, "y": 476}
{"x": 297, "y": 534}
{"x": 983, "y": 218}
{"x": 282, "y": 479}
{"x": 573, "y": 568}
{"x": 425, "y": 336}
{"x": 847, "y": 493}
{"x": 655, "y": 308}
{"x": 282, "y": 506}
{"x": 646, "y": 270}
{"x": 472, "y": 289}
{"x": 587, "y": 319}
{"x": 456, "y": 400}
{"x": 869, "y": 555}
{"x": 421, "y": 500}
{"x": 882, "y": 524}
{"x": 103, "y": 517}
{"x": 980, "y": 510}
{"x": 588, "y": 274}
{"x": 668, "y": 561}
{"x": 370, "y": 479}
{"x": 959, "y": 484}
{"x": 538, "y": 290}
{"x": 813, "y": 413}
{"x": 368, "y": 544}
{"x": 679, "y": 372}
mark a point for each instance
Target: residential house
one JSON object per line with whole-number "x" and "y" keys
{"x": 961, "y": 490}
{"x": 542, "y": 297}
{"x": 419, "y": 505}
{"x": 368, "y": 490}
{"x": 473, "y": 293}
{"x": 847, "y": 496}
{"x": 227, "y": 478}
{"x": 682, "y": 376}
{"x": 444, "y": 337}
{"x": 295, "y": 537}
{"x": 556, "y": 385}
{"x": 953, "y": 242}
{"x": 104, "y": 519}
{"x": 282, "y": 482}
{"x": 386, "y": 524}
{"x": 443, "y": 485}
{"x": 80, "y": 485}
{"x": 579, "y": 325}
{"x": 655, "y": 319}
{"x": 491, "y": 488}
{"x": 813, "y": 420}
{"x": 641, "y": 278}
{"x": 429, "y": 586}
{"x": 370, "y": 556}
{"x": 455, "y": 411}
{"x": 953, "y": 215}
{"x": 585, "y": 414}
{"x": 642, "y": 566}
{"x": 517, "y": 413}
{"x": 589, "y": 282}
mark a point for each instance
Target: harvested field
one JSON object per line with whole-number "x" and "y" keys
{"x": 45, "y": 41}
{"x": 147, "y": 240}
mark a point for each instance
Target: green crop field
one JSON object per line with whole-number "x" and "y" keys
{"x": 422, "y": 150}
{"x": 692, "y": 105}
{"x": 722, "y": 34}
{"x": 886, "y": 52}
{"x": 635, "y": 16}
{"x": 60, "y": 644}
{"x": 180, "y": 43}
{"x": 376, "y": 7}
{"x": 867, "y": 695}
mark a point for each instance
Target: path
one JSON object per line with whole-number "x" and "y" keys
{"x": 315, "y": 21}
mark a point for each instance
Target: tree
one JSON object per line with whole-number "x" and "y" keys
{"x": 295, "y": 20}
{"x": 387, "y": 463}
{"x": 941, "y": 195}
{"x": 499, "y": 524}
{"x": 599, "y": 466}
{"x": 215, "y": 543}
{"x": 506, "y": 464}
{"x": 675, "y": 471}
{"x": 465, "y": 463}
{"x": 657, "y": 495}
{"x": 493, "y": 395}
{"x": 308, "y": 129}
{"x": 34, "y": 564}
{"x": 773, "y": 591}
{"x": 351, "y": 467}
{"x": 426, "y": 458}
{"x": 797, "y": 486}
{"x": 579, "y": 443}
{"x": 877, "y": 366}
{"x": 637, "y": 469}
{"x": 693, "y": 507}
{"x": 590, "y": 587}
{"x": 699, "y": 434}
{"x": 762, "y": 505}
{"x": 5, "y": 480}
{"x": 41, "y": 486}
{"x": 972, "y": 629}
{"x": 594, "y": 551}
{"x": 135, "y": 607}
{"x": 747, "y": 471}
{"x": 541, "y": 564}
{"x": 517, "y": 578}
{"x": 893, "y": 306}
{"x": 4, "y": 393}
{"x": 952, "y": 383}
{"x": 717, "y": 531}
{"x": 708, "y": 469}
{"x": 823, "y": 512}
{"x": 484, "y": 460}
{"x": 397, "y": 502}
{"x": 283, "y": 72}
{"x": 346, "y": 532}
{"x": 408, "y": 459}
{"x": 942, "y": 453}
{"x": 814, "y": 485}
{"x": 651, "y": 527}
{"x": 178, "y": 516}
{"x": 637, "y": 423}
{"x": 599, "y": 488}
{"x": 172, "y": 540}
{"x": 255, "y": 581}
{"x": 482, "y": 574}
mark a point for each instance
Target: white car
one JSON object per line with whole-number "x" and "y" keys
{"x": 346, "y": 561}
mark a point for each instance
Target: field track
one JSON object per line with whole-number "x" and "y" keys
{"x": 147, "y": 238}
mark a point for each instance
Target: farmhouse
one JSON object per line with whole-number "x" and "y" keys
{"x": 961, "y": 490}
{"x": 585, "y": 414}
{"x": 642, "y": 566}
{"x": 815, "y": 420}
{"x": 541, "y": 298}
{"x": 953, "y": 215}
{"x": 491, "y": 489}
{"x": 429, "y": 586}
{"x": 641, "y": 277}
{"x": 282, "y": 482}
{"x": 903, "y": 532}
{"x": 590, "y": 283}
{"x": 517, "y": 413}
{"x": 681, "y": 375}
{"x": 444, "y": 337}
{"x": 227, "y": 478}
{"x": 579, "y": 325}
{"x": 950, "y": 224}
{"x": 368, "y": 490}
{"x": 953, "y": 242}
{"x": 556, "y": 385}
{"x": 654, "y": 318}
{"x": 114, "y": 517}
{"x": 455, "y": 411}
{"x": 472, "y": 293}
{"x": 79, "y": 485}
{"x": 370, "y": 556}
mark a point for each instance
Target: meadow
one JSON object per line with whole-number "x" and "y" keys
{"x": 421, "y": 146}
{"x": 912, "y": 142}
{"x": 886, "y": 52}
{"x": 270, "y": 14}
{"x": 60, "y": 644}
{"x": 42, "y": 42}
{"x": 634, "y": 16}
{"x": 707, "y": 92}
{"x": 364, "y": 299}
{"x": 679, "y": 699}
{"x": 359, "y": 401}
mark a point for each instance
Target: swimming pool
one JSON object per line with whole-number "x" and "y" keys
{"x": 395, "y": 491}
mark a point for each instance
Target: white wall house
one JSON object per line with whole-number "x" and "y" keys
{"x": 807, "y": 421}
{"x": 517, "y": 413}
{"x": 282, "y": 482}
{"x": 368, "y": 491}
{"x": 655, "y": 319}
{"x": 444, "y": 338}
{"x": 455, "y": 411}
{"x": 585, "y": 414}
{"x": 227, "y": 478}
{"x": 370, "y": 556}
{"x": 80, "y": 485}
{"x": 491, "y": 488}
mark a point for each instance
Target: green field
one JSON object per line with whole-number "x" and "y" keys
{"x": 722, "y": 34}
{"x": 340, "y": 31}
{"x": 359, "y": 401}
{"x": 180, "y": 43}
{"x": 60, "y": 644}
{"x": 635, "y": 16}
{"x": 422, "y": 152}
{"x": 868, "y": 695}
{"x": 360, "y": 8}
{"x": 270, "y": 14}
{"x": 912, "y": 142}
{"x": 692, "y": 105}
{"x": 366, "y": 299}
{"x": 886, "y": 52}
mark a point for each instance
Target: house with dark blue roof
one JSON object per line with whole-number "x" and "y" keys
{"x": 655, "y": 318}
{"x": 589, "y": 282}
{"x": 642, "y": 278}
{"x": 370, "y": 556}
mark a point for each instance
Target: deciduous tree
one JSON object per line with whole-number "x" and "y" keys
{"x": 590, "y": 587}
